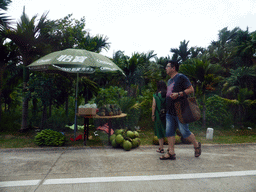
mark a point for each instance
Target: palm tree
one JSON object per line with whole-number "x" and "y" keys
{"x": 4, "y": 20}
{"x": 161, "y": 63}
{"x": 221, "y": 51}
{"x": 136, "y": 68}
{"x": 4, "y": 4}
{"x": 242, "y": 77}
{"x": 4, "y": 50}
{"x": 245, "y": 47}
{"x": 94, "y": 43}
{"x": 196, "y": 52}
{"x": 30, "y": 41}
{"x": 181, "y": 54}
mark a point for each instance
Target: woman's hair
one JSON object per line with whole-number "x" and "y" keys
{"x": 161, "y": 86}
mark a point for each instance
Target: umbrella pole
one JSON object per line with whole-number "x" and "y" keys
{"x": 75, "y": 127}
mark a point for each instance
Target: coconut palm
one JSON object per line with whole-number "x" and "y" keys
{"x": 196, "y": 52}
{"x": 4, "y": 50}
{"x": 221, "y": 51}
{"x": 136, "y": 68}
{"x": 241, "y": 77}
{"x": 245, "y": 47}
{"x": 4, "y": 20}
{"x": 30, "y": 42}
{"x": 4, "y": 4}
{"x": 160, "y": 67}
{"x": 181, "y": 54}
{"x": 94, "y": 43}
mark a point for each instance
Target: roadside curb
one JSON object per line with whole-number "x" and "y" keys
{"x": 110, "y": 147}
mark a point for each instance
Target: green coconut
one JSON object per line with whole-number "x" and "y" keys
{"x": 113, "y": 136}
{"x": 121, "y": 144}
{"x": 177, "y": 139}
{"x": 127, "y": 145}
{"x": 135, "y": 143}
{"x": 155, "y": 140}
{"x": 113, "y": 143}
{"x": 138, "y": 141}
{"x": 119, "y": 131}
{"x": 136, "y": 134}
{"x": 119, "y": 139}
{"x": 130, "y": 134}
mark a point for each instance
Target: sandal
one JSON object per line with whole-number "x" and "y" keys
{"x": 160, "y": 150}
{"x": 198, "y": 150}
{"x": 171, "y": 157}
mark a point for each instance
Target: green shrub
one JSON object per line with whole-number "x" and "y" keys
{"x": 146, "y": 99}
{"x": 49, "y": 137}
{"x": 217, "y": 112}
{"x": 131, "y": 107}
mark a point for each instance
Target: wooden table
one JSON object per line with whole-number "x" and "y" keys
{"x": 86, "y": 123}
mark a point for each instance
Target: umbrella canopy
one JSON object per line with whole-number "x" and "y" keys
{"x": 74, "y": 61}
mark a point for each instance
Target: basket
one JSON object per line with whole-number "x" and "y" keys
{"x": 87, "y": 111}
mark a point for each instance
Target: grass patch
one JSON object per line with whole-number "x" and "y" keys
{"x": 146, "y": 136}
{"x": 226, "y": 136}
{"x": 220, "y": 136}
{"x": 228, "y": 139}
{"x": 17, "y": 140}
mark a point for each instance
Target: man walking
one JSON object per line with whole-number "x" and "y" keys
{"x": 178, "y": 86}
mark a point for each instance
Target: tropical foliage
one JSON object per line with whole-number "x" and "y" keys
{"x": 223, "y": 74}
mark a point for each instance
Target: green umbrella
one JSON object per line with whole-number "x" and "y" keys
{"x": 74, "y": 61}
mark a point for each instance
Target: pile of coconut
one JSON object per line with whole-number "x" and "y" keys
{"x": 125, "y": 139}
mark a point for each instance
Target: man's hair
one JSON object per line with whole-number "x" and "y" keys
{"x": 174, "y": 64}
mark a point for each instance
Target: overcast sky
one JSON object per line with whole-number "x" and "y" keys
{"x": 144, "y": 25}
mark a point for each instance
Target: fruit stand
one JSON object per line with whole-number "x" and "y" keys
{"x": 88, "y": 116}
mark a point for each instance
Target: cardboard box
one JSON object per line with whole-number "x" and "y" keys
{"x": 86, "y": 111}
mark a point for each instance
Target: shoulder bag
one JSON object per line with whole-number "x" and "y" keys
{"x": 187, "y": 109}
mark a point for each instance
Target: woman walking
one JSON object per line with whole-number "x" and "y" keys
{"x": 160, "y": 124}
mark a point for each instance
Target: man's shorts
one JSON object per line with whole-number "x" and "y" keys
{"x": 172, "y": 122}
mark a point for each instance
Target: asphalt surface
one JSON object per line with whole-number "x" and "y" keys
{"x": 219, "y": 168}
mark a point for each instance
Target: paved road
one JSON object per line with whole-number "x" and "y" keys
{"x": 219, "y": 168}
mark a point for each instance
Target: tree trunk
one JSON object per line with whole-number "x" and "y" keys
{"x": 0, "y": 108}
{"x": 50, "y": 108}
{"x": 1, "y": 86}
{"x": 44, "y": 117}
{"x": 24, "y": 124}
{"x": 66, "y": 107}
